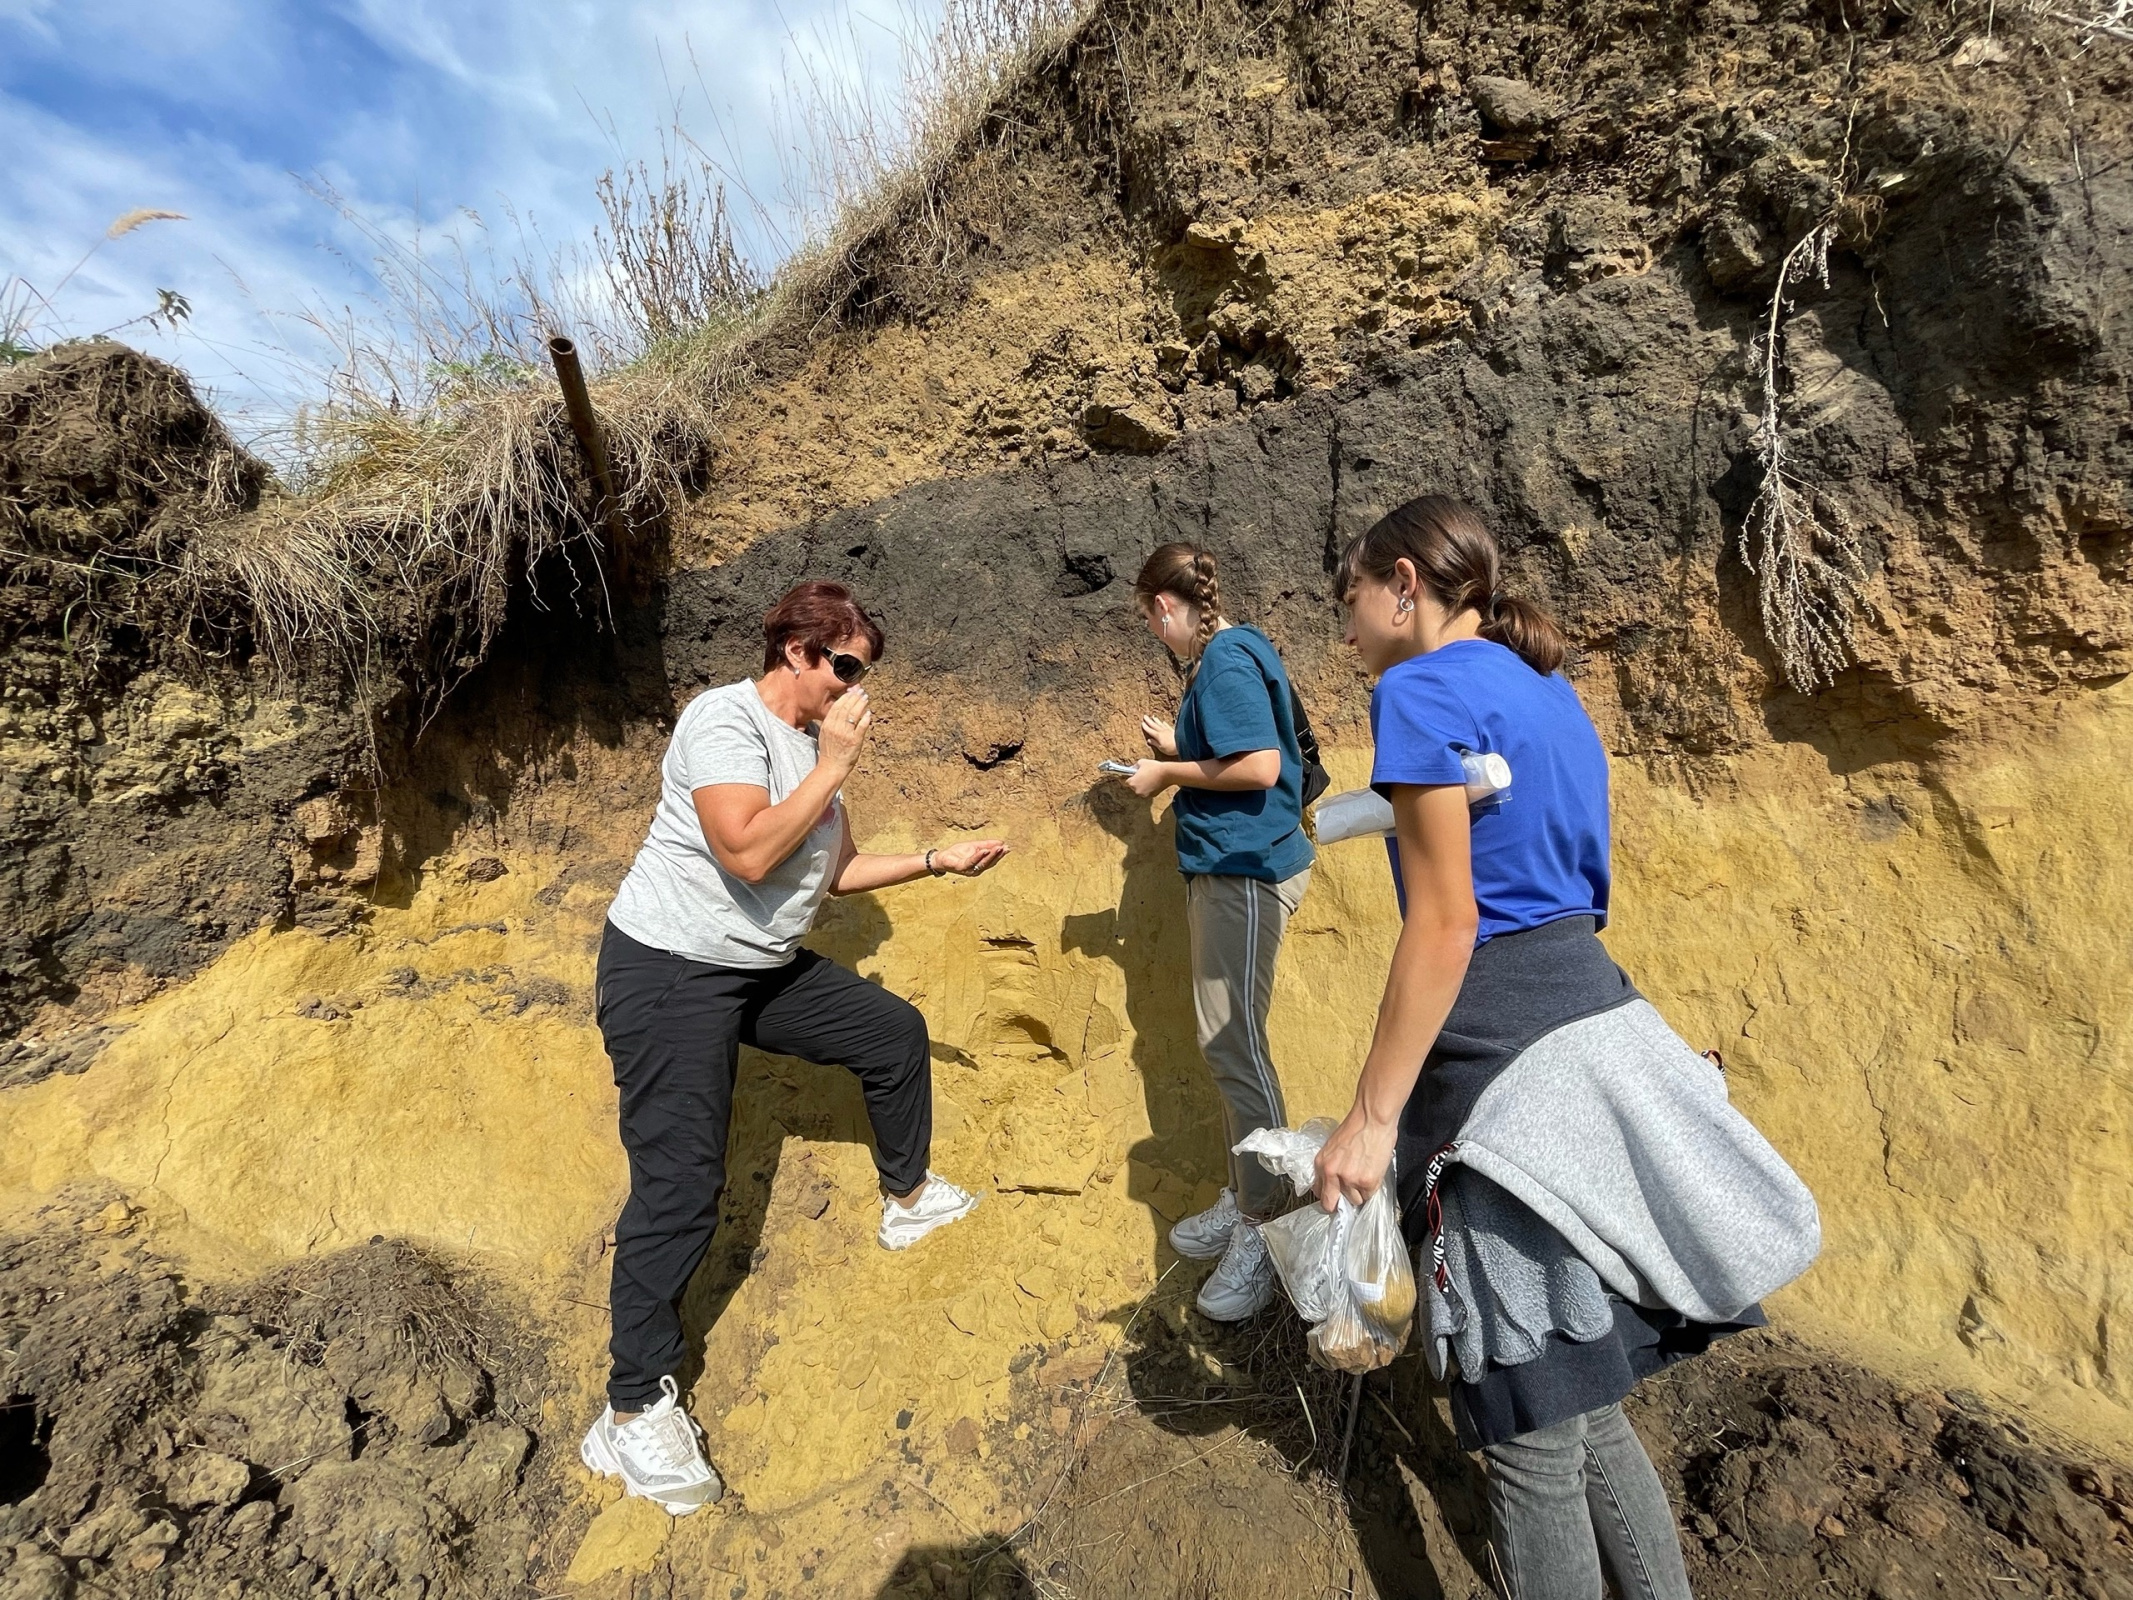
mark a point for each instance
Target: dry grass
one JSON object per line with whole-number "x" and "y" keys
{"x": 890, "y": 229}
{"x": 439, "y": 475}
{"x": 29, "y": 317}
{"x": 418, "y": 524}
{"x": 2110, "y": 19}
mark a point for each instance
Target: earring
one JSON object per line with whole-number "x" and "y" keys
{"x": 1406, "y": 605}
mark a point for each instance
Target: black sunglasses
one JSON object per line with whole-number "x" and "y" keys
{"x": 849, "y": 669}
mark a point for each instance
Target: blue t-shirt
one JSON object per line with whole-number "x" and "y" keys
{"x": 1238, "y": 702}
{"x": 1540, "y": 850}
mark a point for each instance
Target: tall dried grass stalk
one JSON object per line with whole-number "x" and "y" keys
{"x": 28, "y": 318}
{"x": 140, "y": 218}
{"x": 668, "y": 255}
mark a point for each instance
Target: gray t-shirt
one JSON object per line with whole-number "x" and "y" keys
{"x": 677, "y": 897}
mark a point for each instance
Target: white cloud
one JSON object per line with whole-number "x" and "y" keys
{"x": 412, "y": 109}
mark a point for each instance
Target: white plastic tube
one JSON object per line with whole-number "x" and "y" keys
{"x": 1352, "y": 814}
{"x": 1366, "y": 814}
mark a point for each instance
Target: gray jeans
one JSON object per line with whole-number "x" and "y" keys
{"x": 1236, "y": 926}
{"x": 1561, "y": 1498}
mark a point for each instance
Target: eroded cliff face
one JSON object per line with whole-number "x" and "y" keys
{"x": 437, "y": 1077}
{"x": 1252, "y": 295}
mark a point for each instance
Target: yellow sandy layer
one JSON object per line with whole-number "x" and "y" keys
{"x": 1920, "y": 984}
{"x": 1923, "y": 985}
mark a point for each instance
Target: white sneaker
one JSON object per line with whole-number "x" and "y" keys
{"x": 656, "y": 1454}
{"x": 1244, "y": 1282}
{"x": 935, "y": 1205}
{"x": 1205, "y": 1236}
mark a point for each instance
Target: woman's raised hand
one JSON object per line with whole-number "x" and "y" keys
{"x": 971, "y": 857}
{"x": 1161, "y": 736}
{"x": 844, "y": 729}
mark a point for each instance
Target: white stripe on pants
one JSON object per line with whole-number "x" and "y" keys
{"x": 1236, "y": 926}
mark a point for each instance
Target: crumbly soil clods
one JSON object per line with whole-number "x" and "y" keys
{"x": 357, "y": 1425}
{"x": 366, "y": 1425}
{"x": 1794, "y": 1473}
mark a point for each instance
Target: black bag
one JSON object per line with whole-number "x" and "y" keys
{"x": 1317, "y": 780}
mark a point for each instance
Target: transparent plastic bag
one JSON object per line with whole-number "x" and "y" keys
{"x": 1346, "y": 1271}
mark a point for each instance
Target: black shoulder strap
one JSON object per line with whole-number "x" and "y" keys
{"x": 1316, "y": 779}
{"x": 1306, "y": 739}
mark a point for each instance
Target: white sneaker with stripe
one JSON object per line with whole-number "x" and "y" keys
{"x": 936, "y": 1204}
{"x": 658, "y": 1454}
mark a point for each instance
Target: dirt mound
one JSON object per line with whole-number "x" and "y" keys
{"x": 1805, "y": 1475}
{"x": 360, "y": 1425}
{"x": 109, "y": 463}
{"x": 1797, "y": 1473}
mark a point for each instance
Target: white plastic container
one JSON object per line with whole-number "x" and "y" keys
{"x": 1487, "y": 776}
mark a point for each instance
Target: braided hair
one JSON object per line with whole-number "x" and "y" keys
{"x": 1186, "y": 572}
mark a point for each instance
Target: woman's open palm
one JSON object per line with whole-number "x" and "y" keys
{"x": 971, "y": 857}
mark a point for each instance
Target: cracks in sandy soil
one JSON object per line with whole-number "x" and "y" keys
{"x": 170, "y": 1097}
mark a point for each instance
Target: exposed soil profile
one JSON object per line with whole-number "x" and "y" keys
{"x": 307, "y": 1154}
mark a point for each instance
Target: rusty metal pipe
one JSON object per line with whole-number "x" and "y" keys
{"x": 577, "y": 404}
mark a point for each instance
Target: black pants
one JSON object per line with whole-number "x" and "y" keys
{"x": 674, "y": 1030}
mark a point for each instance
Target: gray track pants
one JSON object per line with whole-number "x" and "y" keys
{"x": 1236, "y": 926}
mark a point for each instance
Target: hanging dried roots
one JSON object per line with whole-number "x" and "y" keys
{"x": 1806, "y": 558}
{"x": 1805, "y": 553}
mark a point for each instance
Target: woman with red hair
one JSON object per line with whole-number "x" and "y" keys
{"x": 702, "y": 955}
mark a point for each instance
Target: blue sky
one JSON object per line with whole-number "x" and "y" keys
{"x": 414, "y": 110}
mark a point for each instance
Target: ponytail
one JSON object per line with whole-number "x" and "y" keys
{"x": 1185, "y": 572}
{"x": 1522, "y": 626}
{"x": 1458, "y": 561}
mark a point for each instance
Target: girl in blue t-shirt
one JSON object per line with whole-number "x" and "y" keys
{"x": 1498, "y": 950}
{"x": 1235, "y": 760}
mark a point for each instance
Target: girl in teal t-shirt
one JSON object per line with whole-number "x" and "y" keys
{"x": 1234, "y": 759}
